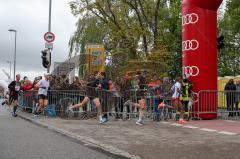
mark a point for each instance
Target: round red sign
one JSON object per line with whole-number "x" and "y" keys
{"x": 49, "y": 37}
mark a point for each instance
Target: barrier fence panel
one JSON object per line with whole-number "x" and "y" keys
{"x": 123, "y": 104}
{"x": 227, "y": 103}
{"x": 119, "y": 105}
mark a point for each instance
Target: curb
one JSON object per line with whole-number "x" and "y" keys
{"x": 86, "y": 141}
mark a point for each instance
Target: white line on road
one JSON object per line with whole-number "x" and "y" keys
{"x": 176, "y": 124}
{"x": 191, "y": 127}
{"x": 164, "y": 122}
{"x": 230, "y": 121}
{"x": 208, "y": 130}
{"x": 227, "y": 133}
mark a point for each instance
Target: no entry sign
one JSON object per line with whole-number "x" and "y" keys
{"x": 49, "y": 37}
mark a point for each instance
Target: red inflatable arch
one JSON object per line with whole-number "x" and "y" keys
{"x": 199, "y": 50}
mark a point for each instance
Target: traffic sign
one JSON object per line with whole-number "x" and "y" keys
{"x": 48, "y": 45}
{"x": 49, "y": 37}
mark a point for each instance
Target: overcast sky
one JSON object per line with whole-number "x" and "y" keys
{"x": 30, "y": 19}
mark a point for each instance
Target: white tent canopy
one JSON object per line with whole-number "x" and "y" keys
{"x": 4, "y": 85}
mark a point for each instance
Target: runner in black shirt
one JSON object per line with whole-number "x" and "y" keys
{"x": 92, "y": 94}
{"x": 14, "y": 88}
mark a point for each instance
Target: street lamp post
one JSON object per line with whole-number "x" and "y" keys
{"x": 15, "y": 52}
{"x": 10, "y": 63}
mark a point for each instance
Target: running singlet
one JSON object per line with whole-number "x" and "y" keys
{"x": 14, "y": 87}
{"x": 43, "y": 87}
{"x": 176, "y": 90}
{"x": 91, "y": 88}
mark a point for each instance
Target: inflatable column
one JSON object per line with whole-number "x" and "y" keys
{"x": 199, "y": 51}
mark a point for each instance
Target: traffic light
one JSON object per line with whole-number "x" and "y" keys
{"x": 220, "y": 42}
{"x": 46, "y": 58}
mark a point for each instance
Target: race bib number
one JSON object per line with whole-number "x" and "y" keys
{"x": 17, "y": 88}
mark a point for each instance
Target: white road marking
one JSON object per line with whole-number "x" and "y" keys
{"x": 164, "y": 122}
{"x": 191, "y": 127}
{"x": 230, "y": 121}
{"x": 208, "y": 130}
{"x": 176, "y": 124}
{"x": 203, "y": 129}
{"x": 227, "y": 133}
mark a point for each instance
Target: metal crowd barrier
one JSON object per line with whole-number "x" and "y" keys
{"x": 225, "y": 104}
{"x": 118, "y": 105}
{"x": 121, "y": 105}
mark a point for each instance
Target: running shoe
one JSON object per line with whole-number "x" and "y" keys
{"x": 139, "y": 122}
{"x": 36, "y": 115}
{"x": 103, "y": 120}
{"x": 14, "y": 114}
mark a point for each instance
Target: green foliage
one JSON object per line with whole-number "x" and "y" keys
{"x": 89, "y": 30}
{"x": 138, "y": 29}
{"x": 229, "y": 61}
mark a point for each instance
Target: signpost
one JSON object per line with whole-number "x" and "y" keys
{"x": 49, "y": 37}
{"x": 48, "y": 45}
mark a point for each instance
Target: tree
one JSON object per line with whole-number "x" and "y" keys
{"x": 136, "y": 28}
{"x": 87, "y": 33}
{"x": 229, "y": 61}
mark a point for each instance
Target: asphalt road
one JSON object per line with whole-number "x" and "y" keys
{"x": 20, "y": 139}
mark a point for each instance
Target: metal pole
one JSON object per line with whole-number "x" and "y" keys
{"x": 10, "y": 68}
{"x": 49, "y": 28}
{"x": 50, "y": 13}
{"x": 15, "y": 53}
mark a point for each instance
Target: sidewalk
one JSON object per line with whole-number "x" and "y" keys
{"x": 154, "y": 140}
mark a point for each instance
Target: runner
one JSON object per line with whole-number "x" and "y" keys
{"x": 92, "y": 94}
{"x": 14, "y": 88}
{"x": 141, "y": 102}
{"x": 42, "y": 86}
{"x": 176, "y": 88}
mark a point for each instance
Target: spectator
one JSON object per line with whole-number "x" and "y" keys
{"x": 237, "y": 98}
{"x": 117, "y": 99}
{"x": 27, "y": 95}
{"x": 230, "y": 88}
{"x": 27, "y": 85}
{"x": 125, "y": 90}
{"x": 186, "y": 96}
{"x": 105, "y": 94}
{"x": 156, "y": 90}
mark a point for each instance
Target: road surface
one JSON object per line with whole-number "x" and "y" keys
{"x": 20, "y": 139}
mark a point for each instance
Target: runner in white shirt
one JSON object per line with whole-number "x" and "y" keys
{"x": 176, "y": 88}
{"x": 42, "y": 86}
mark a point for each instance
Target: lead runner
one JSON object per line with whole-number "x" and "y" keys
{"x": 92, "y": 94}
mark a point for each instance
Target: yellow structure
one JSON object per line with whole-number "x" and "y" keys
{"x": 93, "y": 60}
{"x": 96, "y": 58}
{"x": 222, "y": 81}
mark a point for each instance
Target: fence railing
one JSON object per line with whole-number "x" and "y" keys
{"x": 222, "y": 104}
{"x": 114, "y": 103}
{"x": 120, "y": 104}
